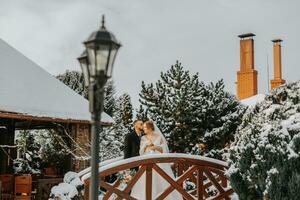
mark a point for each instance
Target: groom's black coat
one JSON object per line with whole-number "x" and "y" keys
{"x": 131, "y": 145}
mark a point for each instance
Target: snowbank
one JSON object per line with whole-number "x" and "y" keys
{"x": 67, "y": 190}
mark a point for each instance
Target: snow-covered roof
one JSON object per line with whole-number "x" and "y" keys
{"x": 27, "y": 89}
{"x": 252, "y": 101}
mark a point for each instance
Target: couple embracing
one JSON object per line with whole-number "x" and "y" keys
{"x": 148, "y": 139}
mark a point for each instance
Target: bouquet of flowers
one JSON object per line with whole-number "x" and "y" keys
{"x": 126, "y": 175}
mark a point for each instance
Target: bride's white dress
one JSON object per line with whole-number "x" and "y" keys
{"x": 159, "y": 184}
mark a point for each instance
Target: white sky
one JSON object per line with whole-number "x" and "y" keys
{"x": 202, "y": 34}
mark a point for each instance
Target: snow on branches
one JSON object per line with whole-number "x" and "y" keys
{"x": 190, "y": 112}
{"x": 265, "y": 155}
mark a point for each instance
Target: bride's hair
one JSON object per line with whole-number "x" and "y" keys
{"x": 150, "y": 125}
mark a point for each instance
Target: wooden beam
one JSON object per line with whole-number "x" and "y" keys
{"x": 110, "y": 192}
{"x": 225, "y": 195}
{"x": 200, "y": 179}
{"x": 173, "y": 183}
{"x": 148, "y": 182}
{"x": 9, "y": 115}
{"x": 116, "y": 191}
{"x": 213, "y": 180}
{"x": 135, "y": 179}
{"x": 180, "y": 180}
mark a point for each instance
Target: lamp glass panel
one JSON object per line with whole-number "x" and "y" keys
{"x": 92, "y": 61}
{"x": 102, "y": 58}
{"x": 112, "y": 58}
{"x": 86, "y": 74}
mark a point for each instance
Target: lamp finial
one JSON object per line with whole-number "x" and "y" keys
{"x": 103, "y": 22}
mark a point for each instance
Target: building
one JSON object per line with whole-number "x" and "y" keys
{"x": 31, "y": 98}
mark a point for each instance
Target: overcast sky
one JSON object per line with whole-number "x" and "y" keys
{"x": 202, "y": 34}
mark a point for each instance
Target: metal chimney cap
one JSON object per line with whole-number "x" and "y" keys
{"x": 277, "y": 40}
{"x": 246, "y": 35}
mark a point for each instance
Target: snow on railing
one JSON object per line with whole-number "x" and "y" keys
{"x": 117, "y": 161}
{"x": 106, "y": 162}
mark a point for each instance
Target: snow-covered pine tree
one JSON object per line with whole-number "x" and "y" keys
{"x": 110, "y": 143}
{"x": 142, "y": 114}
{"x": 29, "y": 161}
{"x": 173, "y": 103}
{"x": 74, "y": 80}
{"x": 125, "y": 111}
{"x": 265, "y": 156}
{"x": 110, "y": 98}
{"x": 39, "y": 149}
{"x": 190, "y": 112}
{"x": 223, "y": 113}
{"x": 51, "y": 151}
{"x": 112, "y": 139}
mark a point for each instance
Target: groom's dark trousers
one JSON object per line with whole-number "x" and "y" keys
{"x": 132, "y": 146}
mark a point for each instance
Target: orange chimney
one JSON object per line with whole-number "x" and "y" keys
{"x": 247, "y": 76}
{"x": 277, "y": 81}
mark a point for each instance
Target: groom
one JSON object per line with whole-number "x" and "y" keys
{"x": 132, "y": 140}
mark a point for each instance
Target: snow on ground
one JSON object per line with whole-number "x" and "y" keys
{"x": 28, "y": 89}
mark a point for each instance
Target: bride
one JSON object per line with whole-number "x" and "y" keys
{"x": 153, "y": 142}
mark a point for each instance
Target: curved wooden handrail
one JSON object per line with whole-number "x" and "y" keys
{"x": 202, "y": 171}
{"x": 106, "y": 162}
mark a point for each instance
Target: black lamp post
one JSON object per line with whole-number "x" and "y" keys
{"x": 97, "y": 64}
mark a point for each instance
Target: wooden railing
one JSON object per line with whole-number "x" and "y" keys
{"x": 207, "y": 175}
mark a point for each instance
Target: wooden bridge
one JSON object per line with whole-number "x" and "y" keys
{"x": 206, "y": 175}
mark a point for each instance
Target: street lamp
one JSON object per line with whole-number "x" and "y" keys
{"x": 96, "y": 63}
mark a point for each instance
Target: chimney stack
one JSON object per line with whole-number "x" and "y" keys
{"x": 277, "y": 81}
{"x": 247, "y": 76}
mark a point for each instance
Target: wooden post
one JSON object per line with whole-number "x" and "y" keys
{"x": 3, "y": 157}
{"x": 86, "y": 190}
{"x": 11, "y": 141}
{"x": 200, "y": 180}
{"x": 149, "y": 182}
{"x": 223, "y": 181}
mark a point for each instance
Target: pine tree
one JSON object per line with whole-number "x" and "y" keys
{"x": 223, "y": 114}
{"x": 38, "y": 149}
{"x": 75, "y": 81}
{"x": 110, "y": 98}
{"x": 265, "y": 156}
{"x": 125, "y": 111}
{"x": 142, "y": 114}
{"x": 111, "y": 143}
{"x": 190, "y": 112}
{"x": 173, "y": 103}
{"x": 112, "y": 139}
{"x": 29, "y": 161}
